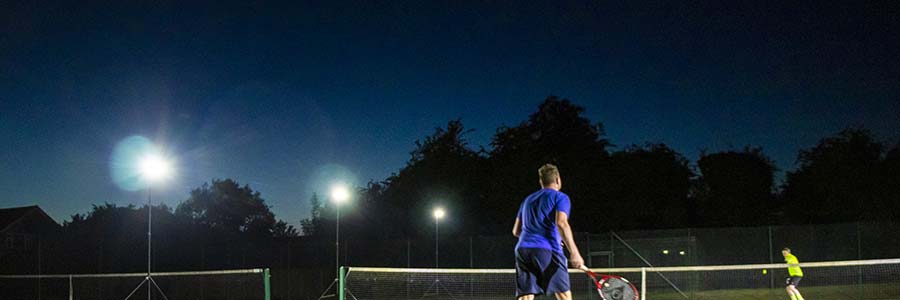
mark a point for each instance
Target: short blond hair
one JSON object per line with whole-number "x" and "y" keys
{"x": 548, "y": 174}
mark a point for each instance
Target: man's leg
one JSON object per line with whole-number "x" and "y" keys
{"x": 792, "y": 288}
{"x": 527, "y": 274}
{"x": 796, "y": 292}
{"x": 558, "y": 276}
{"x": 567, "y": 295}
{"x": 790, "y": 292}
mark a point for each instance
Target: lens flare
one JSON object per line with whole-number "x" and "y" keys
{"x": 136, "y": 163}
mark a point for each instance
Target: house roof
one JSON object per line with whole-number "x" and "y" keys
{"x": 9, "y": 216}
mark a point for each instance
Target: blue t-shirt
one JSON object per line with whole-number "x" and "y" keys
{"x": 538, "y": 216}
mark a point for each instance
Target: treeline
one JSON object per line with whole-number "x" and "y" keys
{"x": 221, "y": 225}
{"x": 846, "y": 177}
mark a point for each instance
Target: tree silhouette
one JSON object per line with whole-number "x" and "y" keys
{"x": 282, "y": 230}
{"x": 313, "y": 225}
{"x": 836, "y": 180}
{"x": 889, "y": 186}
{"x": 735, "y": 188}
{"x": 112, "y": 237}
{"x": 648, "y": 188}
{"x": 227, "y": 207}
{"x": 557, "y": 133}
{"x": 442, "y": 170}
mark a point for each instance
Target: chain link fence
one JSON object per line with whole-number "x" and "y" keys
{"x": 302, "y": 268}
{"x": 636, "y": 248}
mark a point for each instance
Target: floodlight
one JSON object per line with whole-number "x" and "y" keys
{"x": 439, "y": 213}
{"x": 339, "y": 194}
{"x": 154, "y": 167}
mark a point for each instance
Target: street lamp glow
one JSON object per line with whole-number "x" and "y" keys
{"x": 339, "y": 194}
{"x": 154, "y": 167}
{"x": 439, "y": 213}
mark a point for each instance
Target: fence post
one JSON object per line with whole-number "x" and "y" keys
{"x": 858, "y": 257}
{"x": 643, "y": 283}
{"x": 341, "y": 285}
{"x": 71, "y": 290}
{"x": 471, "y": 254}
{"x": 590, "y": 256}
{"x": 612, "y": 250}
{"x": 266, "y": 284}
{"x": 771, "y": 259}
{"x": 408, "y": 265}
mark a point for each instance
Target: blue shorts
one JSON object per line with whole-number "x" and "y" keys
{"x": 540, "y": 271}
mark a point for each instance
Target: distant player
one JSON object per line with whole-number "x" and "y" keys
{"x": 794, "y": 272}
{"x": 542, "y": 223}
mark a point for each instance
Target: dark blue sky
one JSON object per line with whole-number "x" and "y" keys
{"x": 285, "y": 96}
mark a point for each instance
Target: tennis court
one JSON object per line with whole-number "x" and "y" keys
{"x": 486, "y": 274}
{"x": 864, "y": 279}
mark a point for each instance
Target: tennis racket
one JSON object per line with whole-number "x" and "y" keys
{"x": 612, "y": 287}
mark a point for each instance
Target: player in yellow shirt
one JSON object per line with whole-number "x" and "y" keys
{"x": 795, "y": 274}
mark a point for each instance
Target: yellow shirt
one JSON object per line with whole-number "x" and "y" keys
{"x": 793, "y": 270}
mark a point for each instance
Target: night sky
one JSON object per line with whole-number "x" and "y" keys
{"x": 288, "y": 98}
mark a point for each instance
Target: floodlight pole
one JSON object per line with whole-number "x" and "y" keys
{"x": 436, "y": 238}
{"x": 336, "y": 199}
{"x": 149, "y": 279}
{"x": 438, "y": 214}
{"x": 149, "y": 232}
{"x": 337, "y": 242}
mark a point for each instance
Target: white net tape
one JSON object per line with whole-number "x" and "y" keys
{"x": 859, "y": 279}
{"x": 223, "y": 284}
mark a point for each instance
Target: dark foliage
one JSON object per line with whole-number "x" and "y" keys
{"x": 837, "y": 180}
{"x": 735, "y": 188}
{"x": 222, "y": 225}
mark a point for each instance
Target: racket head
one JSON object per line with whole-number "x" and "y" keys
{"x": 612, "y": 287}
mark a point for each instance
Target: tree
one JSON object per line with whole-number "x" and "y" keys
{"x": 110, "y": 235}
{"x": 557, "y": 133}
{"x": 283, "y": 230}
{"x": 443, "y": 170}
{"x": 836, "y": 180}
{"x": 889, "y": 187}
{"x": 227, "y": 207}
{"x": 313, "y": 225}
{"x": 735, "y": 188}
{"x": 371, "y": 214}
{"x": 648, "y": 188}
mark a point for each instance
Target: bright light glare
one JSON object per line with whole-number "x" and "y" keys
{"x": 439, "y": 213}
{"x": 665, "y": 251}
{"x": 154, "y": 168}
{"x": 681, "y": 252}
{"x": 339, "y": 194}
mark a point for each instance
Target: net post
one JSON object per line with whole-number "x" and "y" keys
{"x": 643, "y": 283}
{"x": 341, "y": 284}
{"x": 71, "y": 292}
{"x": 266, "y": 284}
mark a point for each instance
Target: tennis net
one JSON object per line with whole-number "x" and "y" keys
{"x": 859, "y": 279}
{"x": 250, "y": 284}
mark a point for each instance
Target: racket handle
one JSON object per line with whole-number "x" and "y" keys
{"x": 585, "y": 268}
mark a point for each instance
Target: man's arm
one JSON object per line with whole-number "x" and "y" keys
{"x": 517, "y": 227}
{"x": 562, "y": 223}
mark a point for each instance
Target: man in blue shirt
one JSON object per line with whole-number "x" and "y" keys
{"x": 542, "y": 224}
